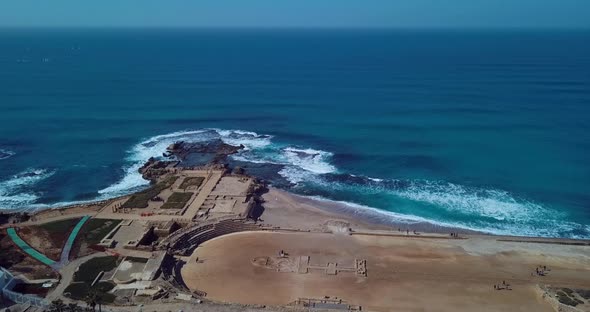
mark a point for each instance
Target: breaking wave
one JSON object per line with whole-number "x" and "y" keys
{"x": 5, "y": 154}
{"x": 155, "y": 146}
{"x": 310, "y": 172}
{"x": 15, "y": 192}
{"x": 446, "y": 204}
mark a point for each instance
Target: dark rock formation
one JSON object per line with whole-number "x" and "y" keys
{"x": 181, "y": 150}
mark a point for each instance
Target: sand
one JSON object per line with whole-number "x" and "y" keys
{"x": 405, "y": 274}
{"x": 293, "y": 211}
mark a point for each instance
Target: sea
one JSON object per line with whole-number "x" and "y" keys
{"x": 487, "y": 130}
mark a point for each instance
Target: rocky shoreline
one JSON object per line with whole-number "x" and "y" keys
{"x": 178, "y": 156}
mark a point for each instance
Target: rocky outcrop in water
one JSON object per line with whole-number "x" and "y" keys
{"x": 212, "y": 154}
{"x": 181, "y": 150}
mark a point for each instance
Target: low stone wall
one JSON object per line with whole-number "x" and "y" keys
{"x": 186, "y": 240}
{"x": 18, "y": 297}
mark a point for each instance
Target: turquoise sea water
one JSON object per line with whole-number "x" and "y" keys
{"x": 486, "y": 130}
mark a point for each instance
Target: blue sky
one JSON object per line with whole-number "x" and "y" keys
{"x": 298, "y": 13}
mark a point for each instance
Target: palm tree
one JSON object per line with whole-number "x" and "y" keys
{"x": 99, "y": 301}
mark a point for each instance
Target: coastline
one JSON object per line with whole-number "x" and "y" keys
{"x": 294, "y": 205}
{"x": 293, "y": 211}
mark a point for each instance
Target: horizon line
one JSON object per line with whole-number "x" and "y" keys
{"x": 166, "y": 27}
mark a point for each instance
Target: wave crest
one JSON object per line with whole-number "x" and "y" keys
{"x": 5, "y": 154}
{"x": 15, "y": 192}
{"x": 155, "y": 146}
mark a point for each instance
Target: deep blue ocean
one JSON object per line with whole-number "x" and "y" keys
{"x": 485, "y": 130}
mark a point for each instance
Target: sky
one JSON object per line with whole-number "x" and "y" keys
{"x": 297, "y": 13}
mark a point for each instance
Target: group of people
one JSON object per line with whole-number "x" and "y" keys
{"x": 454, "y": 235}
{"x": 408, "y": 231}
{"x": 540, "y": 270}
{"x": 504, "y": 285}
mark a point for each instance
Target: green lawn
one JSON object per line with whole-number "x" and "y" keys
{"x": 95, "y": 229}
{"x": 60, "y": 226}
{"x": 141, "y": 199}
{"x": 177, "y": 200}
{"x": 80, "y": 290}
{"x": 191, "y": 181}
{"x": 90, "y": 269}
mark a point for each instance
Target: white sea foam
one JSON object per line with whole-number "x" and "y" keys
{"x": 311, "y": 160}
{"x": 491, "y": 203}
{"x": 15, "y": 192}
{"x": 156, "y": 146}
{"x": 296, "y": 175}
{"x": 512, "y": 215}
{"x": 5, "y": 154}
{"x": 557, "y": 228}
{"x": 250, "y": 140}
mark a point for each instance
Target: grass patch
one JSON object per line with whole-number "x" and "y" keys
{"x": 177, "y": 200}
{"x": 60, "y": 226}
{"x": 141, "y": 199}
{"x": 77, "y": 291}
{"x": 95, "y": 229}
{"x": 81, "y": 290}
{"x": 90, "y": 269}
{"x": 191, "y": 181}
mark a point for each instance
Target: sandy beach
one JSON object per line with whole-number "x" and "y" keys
{"x": 294, "y": 211}
{"x": 419, "y": 274}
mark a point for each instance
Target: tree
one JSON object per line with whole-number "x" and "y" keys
{"x": 99, "y": 302}
{"x": 57, "y": 306}
{"x": 91, "y": 300}
{"x": 72, "y": 307}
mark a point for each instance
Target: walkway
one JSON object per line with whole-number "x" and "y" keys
{"x": 65, "y": 252}
{"x": 191, "y": 212}
{"x": 28, "y": 249}
{"x": 67, "y": 275}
